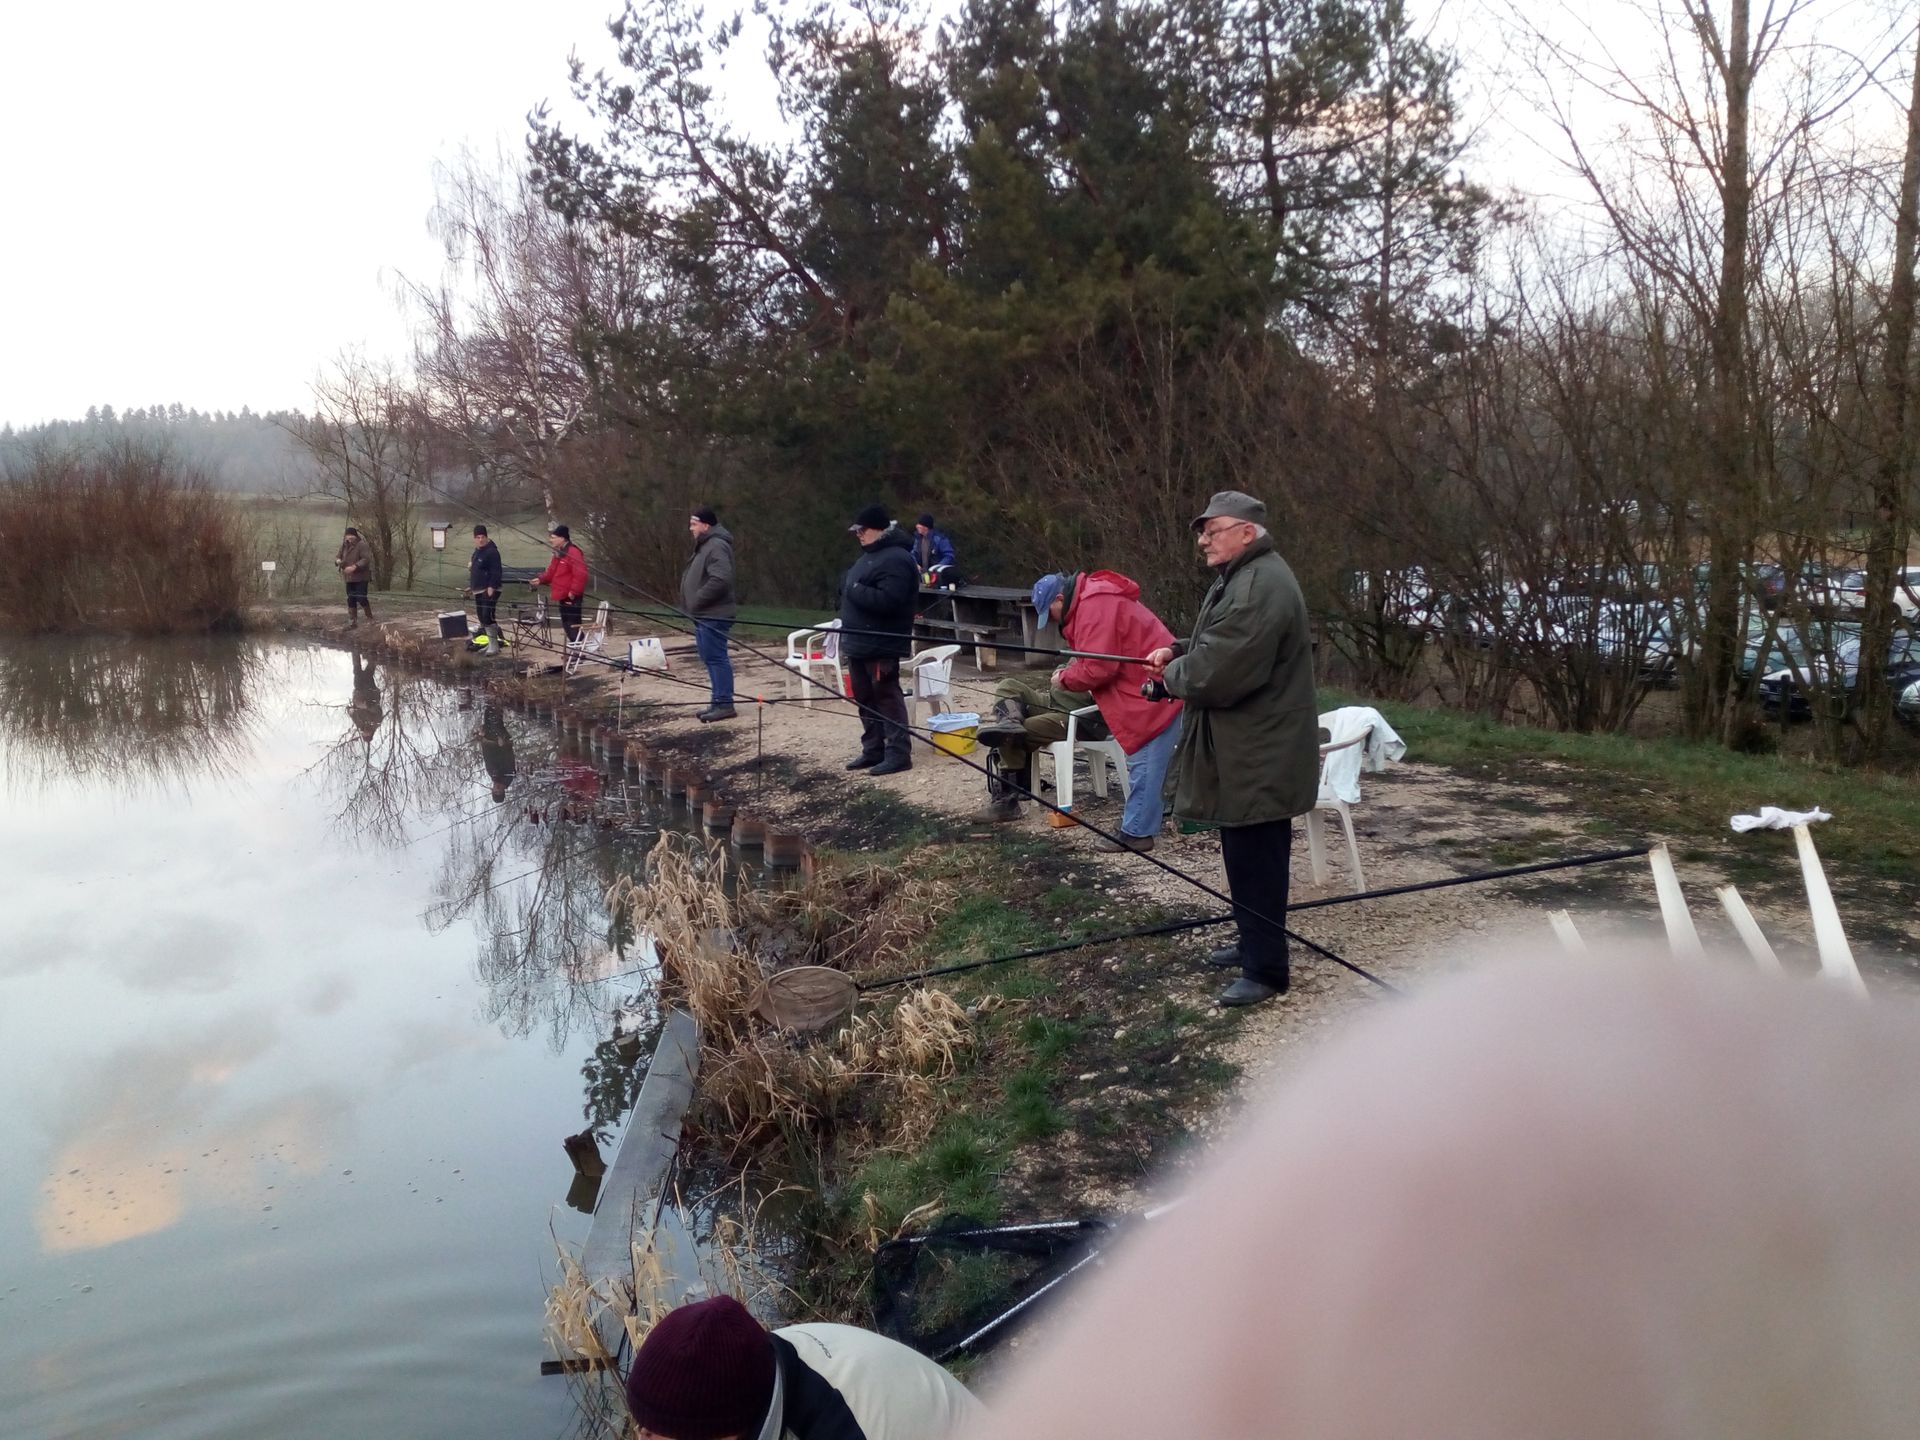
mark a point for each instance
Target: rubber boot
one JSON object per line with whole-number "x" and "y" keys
{"x": 1008, "y": 723}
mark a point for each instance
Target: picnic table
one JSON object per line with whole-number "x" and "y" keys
{"x": 978, "y": 616}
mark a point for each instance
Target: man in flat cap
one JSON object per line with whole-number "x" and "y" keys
{"x": 1249, "y": 757}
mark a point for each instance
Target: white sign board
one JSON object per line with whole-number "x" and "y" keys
{"x": 269, "y": 565}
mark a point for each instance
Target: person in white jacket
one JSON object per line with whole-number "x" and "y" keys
{"x": 710, "y": 1371}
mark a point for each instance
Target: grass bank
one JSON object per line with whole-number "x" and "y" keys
{"x": 1677, "y": 787}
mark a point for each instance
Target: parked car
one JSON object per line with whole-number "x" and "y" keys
{"x": 1834, "y": 667}
{"x": 1851, "y": 592}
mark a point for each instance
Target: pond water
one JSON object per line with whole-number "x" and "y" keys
{"x": 306, "y": 973}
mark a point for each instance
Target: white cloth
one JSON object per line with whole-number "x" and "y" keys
{"x": 1340, "y": 772}
{"x": 1772, "y": 817}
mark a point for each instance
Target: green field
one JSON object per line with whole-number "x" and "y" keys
{"x": 302, "y": 537}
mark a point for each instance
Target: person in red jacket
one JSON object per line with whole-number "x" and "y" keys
{"x": 1100, "y": 611}
{"x": 567, "y": 574}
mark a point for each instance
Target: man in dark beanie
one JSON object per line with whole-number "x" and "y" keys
{"x": 710, "y": 1371}
{"x": 567, "y": 574}
{"x": 877, "y": 600}
{"x": 932, "y": 551}
{"x": 483, "y": 581}
{"x": 707, "y": 595}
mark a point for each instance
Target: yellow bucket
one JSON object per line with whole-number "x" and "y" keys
{"x": 956, "y": 742}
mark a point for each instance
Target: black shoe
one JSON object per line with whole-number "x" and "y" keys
{"x": 716, "y": 712}
{"x": 997, "y": 812}
{"x": 891, "y": 767}
{"x": 1008, "y": 723}
{"x": 1248, "y": 991}
{"x": 864, "y": 762}
{"x": 1227, "y": 957}
{"x": 1138, "y": 844}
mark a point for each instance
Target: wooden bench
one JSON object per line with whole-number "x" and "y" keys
{"x": 978, "y": 615}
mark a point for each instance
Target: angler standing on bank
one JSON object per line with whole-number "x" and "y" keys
{"x": 567, "y": 574}
{"x": 707, "y": 594}
{"x": 877, "y": 600}
{"x": 1249, "y": 756}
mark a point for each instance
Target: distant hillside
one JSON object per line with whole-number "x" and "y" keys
{"x": 242, "y": 452}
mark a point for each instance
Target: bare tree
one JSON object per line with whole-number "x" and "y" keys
{"x": 1678, "y": 197}
{"x": 498, "y": 339}
{"x": 1892, "y": 514}
{"x": 370, "y": 443}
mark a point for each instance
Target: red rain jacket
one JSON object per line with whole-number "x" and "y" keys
{"x": 567, "y": 573}
{"x": 1106, "y": 615}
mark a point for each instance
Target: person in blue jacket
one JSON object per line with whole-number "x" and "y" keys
{"x": 932, "y": 551}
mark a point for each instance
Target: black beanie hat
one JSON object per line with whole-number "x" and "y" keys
{"x": 926, "y": 520}
{"x": 562, "y": 531}
{"x": 703, "y": 1373}
{"x": 706, "y": 516}
{"x": 874, "y": 517}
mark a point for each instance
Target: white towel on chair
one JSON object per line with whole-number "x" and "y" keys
{"x": 1340, "y": 777}
{"x": 1772, "y": 817}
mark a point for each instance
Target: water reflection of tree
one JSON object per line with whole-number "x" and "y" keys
{"x": 155, "y": 714}
{"x": 532, "y": 873}
{"x": 404, "y": 758}
{"x": 538, "y": 894}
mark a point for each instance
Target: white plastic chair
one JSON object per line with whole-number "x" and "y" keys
{"x": 1316, "y": 832}
{"x": 808, "y": 650}
{"x": 591, "y": 639}
{"x": 932, "y": 672}
{"x": 1099, "y": 753}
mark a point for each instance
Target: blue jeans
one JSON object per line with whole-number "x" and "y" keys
{"x": 1146, "y": 780}
{"x": 710, "y": 639}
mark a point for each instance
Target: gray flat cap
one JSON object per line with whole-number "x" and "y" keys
{"x": 1234, "y": 504}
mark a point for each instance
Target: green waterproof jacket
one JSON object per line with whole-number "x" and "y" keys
{"x": 1250, "y": 739}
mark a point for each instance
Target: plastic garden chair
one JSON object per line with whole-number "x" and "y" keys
{"x": 1328, "y": 801}
{"x": 810, "y": 650}
{"x": 932, "y": 673}
{"x": 1099, "y": 753}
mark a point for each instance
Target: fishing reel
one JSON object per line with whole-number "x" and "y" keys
{"x": 1155, "y": 690}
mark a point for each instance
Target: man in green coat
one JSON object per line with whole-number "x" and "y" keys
{"x": 1249, "y": 756}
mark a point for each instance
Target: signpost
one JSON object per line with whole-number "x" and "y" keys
{"x": 439, "y": 529}
{"x": 269, "y": 566}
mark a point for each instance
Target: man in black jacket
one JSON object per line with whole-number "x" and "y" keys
{"x": 877, "y": 598}
{"x": 483, "y": 581}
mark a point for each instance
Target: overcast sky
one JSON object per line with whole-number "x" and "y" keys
{"x": 205, "y": 201}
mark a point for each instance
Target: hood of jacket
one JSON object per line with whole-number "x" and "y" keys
{"x": 714, "y": 532}
{"x": 892, "y": 538}
{"x": 1104, "y": 582}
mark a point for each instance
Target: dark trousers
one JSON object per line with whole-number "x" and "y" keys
{"x": 883, "y": 709}
{"x": 710, "y": 639}
{"x": 570, "y": 616}
{"x": 484, "y": 606}
{"x": 357, "y": 595}
{"x": 1259, "y": 863}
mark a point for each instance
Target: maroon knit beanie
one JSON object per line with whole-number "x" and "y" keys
{"x": 704, "y": 1372}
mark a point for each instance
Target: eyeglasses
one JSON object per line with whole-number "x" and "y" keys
{"x": 1207, "y": 532}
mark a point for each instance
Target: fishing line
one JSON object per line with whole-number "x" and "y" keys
{"x": 1202, "y": 922}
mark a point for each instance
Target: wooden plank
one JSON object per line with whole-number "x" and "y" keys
{"x": 647, "y": 1147}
